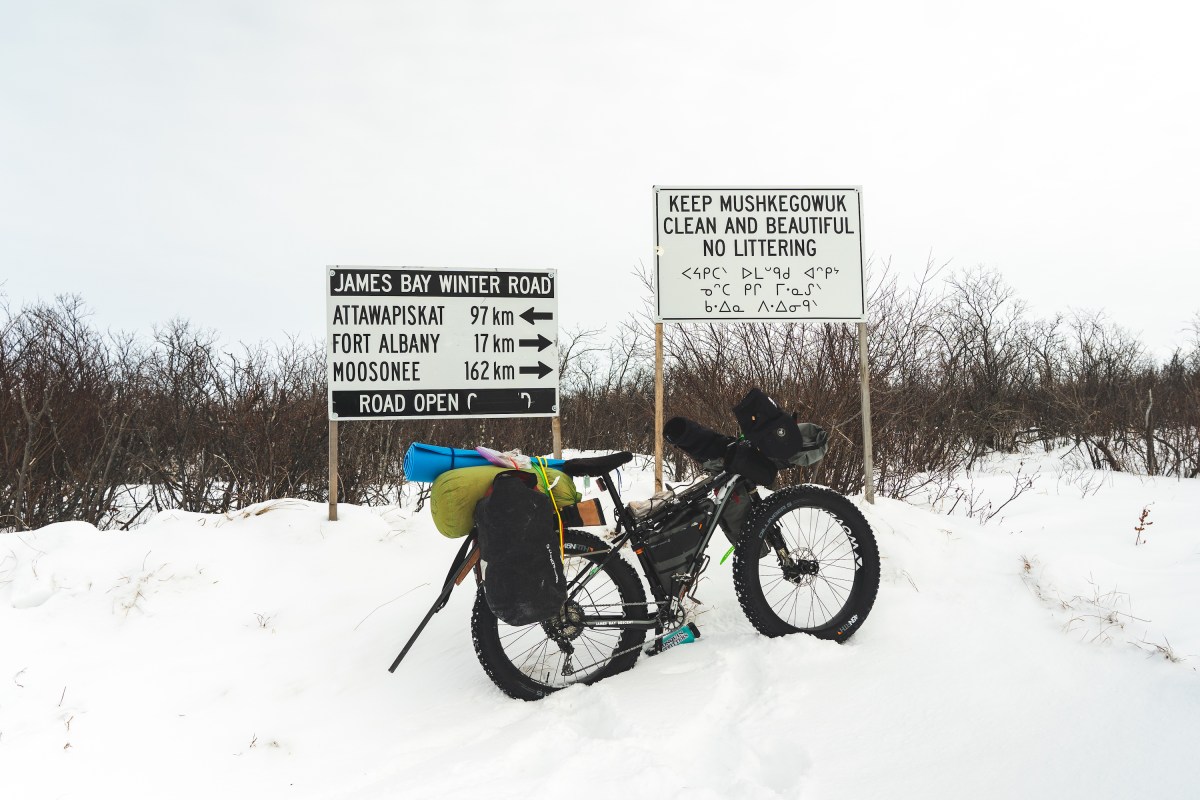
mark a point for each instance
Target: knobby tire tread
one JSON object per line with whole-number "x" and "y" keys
{"x": 748, "y": 556}
{"x": 509, "y": 678}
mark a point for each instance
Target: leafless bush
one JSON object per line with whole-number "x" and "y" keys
{"x": 66, "y": 411}
{"x": 608, "y": 388}
{"x": 103, "y": 427}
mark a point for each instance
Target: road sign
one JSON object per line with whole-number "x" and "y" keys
{"x": 416, "y": 342}
{"x": 758, "y": 254}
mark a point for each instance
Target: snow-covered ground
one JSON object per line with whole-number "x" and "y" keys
{"x": 1043, "y": 654}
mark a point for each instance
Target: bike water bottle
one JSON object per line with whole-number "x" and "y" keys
{"x": 685, "y": 635}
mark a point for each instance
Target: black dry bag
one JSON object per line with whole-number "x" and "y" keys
{"x": 705, "y": 445}
{"x": 518, "y": 545}
{"x": 777, "y": 434}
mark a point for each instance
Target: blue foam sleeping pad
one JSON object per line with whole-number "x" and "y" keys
{"x": 424, "y": 462}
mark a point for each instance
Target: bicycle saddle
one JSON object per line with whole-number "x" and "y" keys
{"x": 596, "y": 465}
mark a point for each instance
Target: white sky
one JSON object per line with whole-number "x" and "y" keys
{"x": 208, "y": 159}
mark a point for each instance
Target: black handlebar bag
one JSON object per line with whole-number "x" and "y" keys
{"x": 746, "y": 460}
{"x": 777, "y": 434}
{"x": 519, "y": 548}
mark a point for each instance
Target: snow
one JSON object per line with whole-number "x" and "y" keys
{"x": 247, "y": 655}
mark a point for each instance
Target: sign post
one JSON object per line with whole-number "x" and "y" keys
{"x": 864, "y": 376}
{"x": 415, "y": 342}
{"x": 658, "y": 406}
{"x": 333, "y": 470}
{"x": 761, "y": 254}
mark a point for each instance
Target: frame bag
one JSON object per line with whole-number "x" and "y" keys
{"x": 777, "y": 434}
{"x": 523, "y": 578}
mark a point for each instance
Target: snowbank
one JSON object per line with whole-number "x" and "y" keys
{"x": 247, "y": 655}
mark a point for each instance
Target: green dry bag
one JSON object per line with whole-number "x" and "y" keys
{"x": 454, "y": 494}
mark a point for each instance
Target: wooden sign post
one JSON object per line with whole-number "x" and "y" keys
{"x": 864, "y": 379}
{"x": 333, "y": 470}
{"x": 658, "y": 407}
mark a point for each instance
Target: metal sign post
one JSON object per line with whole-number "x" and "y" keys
{"x": 760, "y": 254}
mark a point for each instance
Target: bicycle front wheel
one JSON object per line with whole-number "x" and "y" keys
{"x": 575, "y": 646}
{"x": 819, "y": 571}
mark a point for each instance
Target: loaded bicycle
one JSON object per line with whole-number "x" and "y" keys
{"x": 804, "y": 560}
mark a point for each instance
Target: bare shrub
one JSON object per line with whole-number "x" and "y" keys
{"x": 104, "y": 427}
{"x": 66, "y": 410}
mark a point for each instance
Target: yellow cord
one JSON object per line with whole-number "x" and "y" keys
{"x": 539, "y": 468}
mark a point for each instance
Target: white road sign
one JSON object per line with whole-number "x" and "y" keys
{"x": 758, "y": 254}
{"x": 416, "y": 342}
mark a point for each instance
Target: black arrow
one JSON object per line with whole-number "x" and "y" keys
{"x": 541, "y": 343}
{"x": 530, "y": 315}
{"x": 541, "y": 370}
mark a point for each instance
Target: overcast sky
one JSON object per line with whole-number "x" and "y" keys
{"x": 208, "y": 159}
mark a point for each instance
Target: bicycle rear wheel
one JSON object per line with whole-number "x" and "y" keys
{"x": 819, "y": 571}
{"x": 530, "y": 661}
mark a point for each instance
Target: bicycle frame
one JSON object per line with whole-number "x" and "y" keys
{"x": 638, "y": 532}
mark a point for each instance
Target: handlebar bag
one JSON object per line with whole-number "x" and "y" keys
{"x": 777, "y": 434}
{"x": 523, "y": 578}
{"x": 746, "y": 460}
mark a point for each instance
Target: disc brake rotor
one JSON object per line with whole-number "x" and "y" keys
{"x": 801, "y": 567}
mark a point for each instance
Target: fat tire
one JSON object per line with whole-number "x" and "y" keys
{"x": 487, "y": 630}
{"x": 843, "y": 532}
